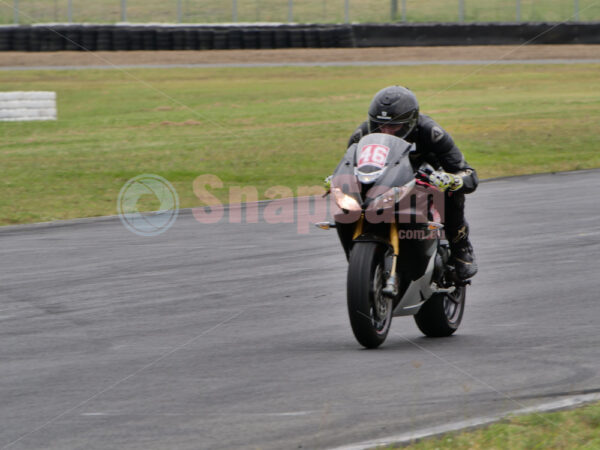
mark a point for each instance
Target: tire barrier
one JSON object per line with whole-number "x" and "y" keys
{"x": 6, "y": 35}
{"x": 296, "y": 37}
{"x": 73, "y": 39}
{"x": 206, "y": 39}
{"x": 104, "y": 39}
{"x": 52, "y": 38}
{"x": 392, "y": 35}
{"x": 178, "y": 37}
{"x": 266, "y": 39}
{"x": 220, "y": 41}
{"x": 148, "y": 39}
{"x": 20, "y": 40}
{"x": 281, "y": 39}
{"x": 235, "y": 38}
{"x": 87, "y": 39}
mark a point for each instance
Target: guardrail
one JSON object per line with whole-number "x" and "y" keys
{"x": 125, "y": 37}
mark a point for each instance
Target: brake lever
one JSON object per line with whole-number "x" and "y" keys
{"x": 422, "y": 177}
{"x": 424, "y": 184}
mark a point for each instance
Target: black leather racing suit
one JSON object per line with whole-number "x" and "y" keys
{"x": 436, "y": 147}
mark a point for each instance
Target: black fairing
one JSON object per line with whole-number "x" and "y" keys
{"x": 397, "y": 172}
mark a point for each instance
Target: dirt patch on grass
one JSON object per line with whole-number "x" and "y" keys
{"x": 187, "y": 123}
{"x": 491, "y": 53}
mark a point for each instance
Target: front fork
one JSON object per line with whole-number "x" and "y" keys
{"x": 391, "y": 286}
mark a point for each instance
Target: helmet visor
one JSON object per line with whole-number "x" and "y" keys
{"x": 391, "y": 128}
{"x": 400, "y": 125}
{"x": 398, "y": 128}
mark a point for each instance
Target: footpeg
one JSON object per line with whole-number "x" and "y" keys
{"x": 325, "y": 225}
{"x": 439, "y": 290}
{"x": 391, "y": 286}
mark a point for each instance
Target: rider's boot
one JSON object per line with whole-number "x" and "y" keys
{"x": 462, "y": 255}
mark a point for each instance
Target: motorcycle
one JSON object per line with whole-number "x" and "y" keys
{"x": 389, "y": 223}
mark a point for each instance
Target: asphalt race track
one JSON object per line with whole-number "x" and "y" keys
{"x": 231, "y": 336}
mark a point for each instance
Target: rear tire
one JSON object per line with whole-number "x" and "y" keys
{"x": 441, "y": 315}
{"x": 369, "y": 310}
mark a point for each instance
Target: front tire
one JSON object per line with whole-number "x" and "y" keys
{"x": 369, "y": 310}
{"x": 441, "y": 315}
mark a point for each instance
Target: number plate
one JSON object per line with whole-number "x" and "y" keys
{"x": 373, "y": 155}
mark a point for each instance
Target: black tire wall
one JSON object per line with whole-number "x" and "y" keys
{"x": 189, "y": 37}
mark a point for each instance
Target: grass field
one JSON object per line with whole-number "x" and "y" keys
{"x": 274, "y": 126}
{"x": 209, "y": 11}
{"x": 577, "y": 429}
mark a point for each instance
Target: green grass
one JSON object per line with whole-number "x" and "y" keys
{"x": 568, "y": 430}
{"x": 275, "y": 126}
{"x": 323, "y": 11}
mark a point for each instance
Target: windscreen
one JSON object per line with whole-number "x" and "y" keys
{"x": 377, "y": 160}
{"x": 383, "y": 160}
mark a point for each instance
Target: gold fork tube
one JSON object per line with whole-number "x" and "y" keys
{"x": 395, "y": 241}
{"x": 358, "y": 230}
{"x": 391, "y": 285}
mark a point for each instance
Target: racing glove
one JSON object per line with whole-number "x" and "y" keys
{"x": 327, "y": 182}
{"x": 445, "y": 181}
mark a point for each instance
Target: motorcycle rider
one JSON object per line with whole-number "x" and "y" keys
{"x": 395, "y": 110}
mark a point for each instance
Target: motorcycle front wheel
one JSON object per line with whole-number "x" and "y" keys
{"x": 369, "y": 310}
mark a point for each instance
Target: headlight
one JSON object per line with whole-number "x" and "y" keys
{"x": 386, "y": 199}
{"x": 391, "y": 196}
{"x": 345, "y": 201}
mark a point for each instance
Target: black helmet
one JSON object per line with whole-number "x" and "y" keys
{"x": 394, "y": 105}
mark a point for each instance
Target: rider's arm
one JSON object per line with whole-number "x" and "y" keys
{"x": 436, "y": 140}
{"x": 470, "y": 180}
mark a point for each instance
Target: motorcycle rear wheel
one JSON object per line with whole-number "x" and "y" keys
{"x": 369, "y": 310}
{"x": 441, "y": 315}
